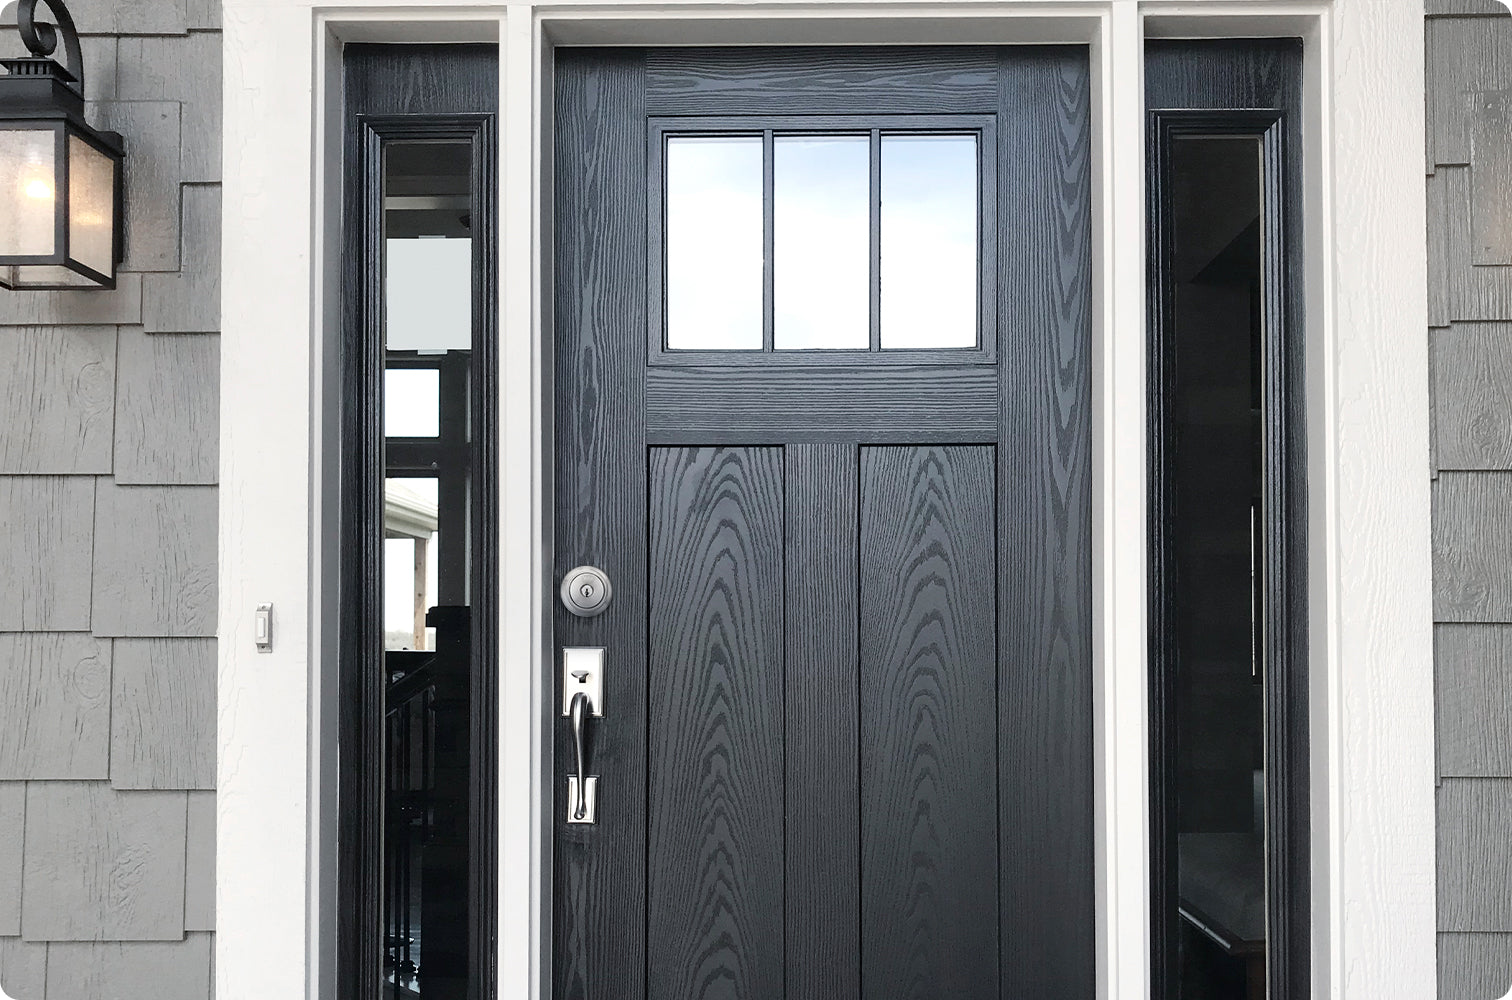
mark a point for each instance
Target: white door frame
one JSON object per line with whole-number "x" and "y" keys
{"x": 1367, "y": 400}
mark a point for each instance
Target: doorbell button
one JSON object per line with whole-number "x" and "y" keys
{"x": 586, "y": 591}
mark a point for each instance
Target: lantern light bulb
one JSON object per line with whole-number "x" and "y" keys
{"x": 39, "y": 189}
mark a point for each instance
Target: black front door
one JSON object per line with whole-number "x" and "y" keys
{"x": 823, "y": 420}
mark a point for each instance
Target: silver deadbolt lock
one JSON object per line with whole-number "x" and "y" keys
{"x": 586, "y": 591}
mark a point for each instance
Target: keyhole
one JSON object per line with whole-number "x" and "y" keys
{"x": 588, "y": 591}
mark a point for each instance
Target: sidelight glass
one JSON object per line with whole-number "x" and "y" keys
{"x": 929, "y": 241}
{"x": 429, "y": 563}
{"x": 821, "y": 241}
{"x": 412, "y": 402}
{"x": 715, "y": 255}
{"x": 1214, "y": 747}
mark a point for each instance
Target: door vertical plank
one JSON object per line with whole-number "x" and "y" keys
{"x": 599, "y": 870}
{"x": 823, "y": 800}
{"x": 1045, "y": 669}
{"x": 929, "y": 757}
{"x": 715, "y": 859}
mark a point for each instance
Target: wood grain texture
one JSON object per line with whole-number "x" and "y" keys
{"x": 1472, "y": 396}
{"x": 123, "y": 304}
{"x": 55, "y": 698}
{"x": 199, "y": 864}
{"x": 189, "y": 301}
{"x": 203, "y": 15}
{"x": 1439, "y": 253}
{"x": 601, "y": 504}
{"x": 1221, "y": 73}
{"x": 928, "y": 720}
{"x": 102, "y": 865}
{"x": 100, "y": 59}
{"x": 1474, "y": 965}
{"x": 1473, "y": 666}
{"x": 12, "y": 828}
{"x": 714, "y": 864}
{"x": 56, "y": 393}
{"x": 167, "y": 424}
{"x": 149, "y": 17}
{"x": 1474, "y": 866}
{"x": 187, "y": 69}
{"x": 1490, "y": 177}
{"x": 154, "y": 560}
{"x": 162, "y": 730}
{"x": 822, "y": 741}
{"x": 1464, "y": 8}
{"x": 811, "y": 80}
{"x": 1463, "y": 56}
{"x": 45, "y": 537}
{"x": 1473, "y": 293}
{"x": 23, "y": 968}
{"x": 176, "y": 970}
{"x": 1045, "y": 543}
{"x": 1472, "y": 547}
{"x": 152, "y": 178}
{"x": 687, "y": 405}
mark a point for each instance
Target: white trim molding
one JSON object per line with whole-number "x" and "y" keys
{"x": 1370, "y": 566}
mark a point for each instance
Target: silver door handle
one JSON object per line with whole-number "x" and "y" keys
{"x": 581, "y": 788}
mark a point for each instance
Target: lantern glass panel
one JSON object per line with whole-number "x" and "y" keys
{"x": 91, "y": 206}
{"x": 28, "y": 194}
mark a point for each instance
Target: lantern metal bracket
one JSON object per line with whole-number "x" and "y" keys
{"x": 41, "y": 39}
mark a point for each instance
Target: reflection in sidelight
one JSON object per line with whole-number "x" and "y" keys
{"x": 821, "y": 234}
{"x": 1214, "y": 707}
{"x": 427, "y": 567}
{"x": 929, "y": 241}
{"x": 715, "y": 253}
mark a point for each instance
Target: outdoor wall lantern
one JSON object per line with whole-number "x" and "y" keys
{"x": 60, "y": 180}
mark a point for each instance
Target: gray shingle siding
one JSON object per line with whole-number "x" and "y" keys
{"x": 1469, "y": 160}
{"x": 109, "y": 427}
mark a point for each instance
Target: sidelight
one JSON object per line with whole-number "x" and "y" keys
{"x": 1224, "y": 671}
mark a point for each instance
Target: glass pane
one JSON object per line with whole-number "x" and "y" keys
{"x": 410, "y": 544}
{"x": 714, "y": 242}
{"x": 1215, "y": 752}
{"x": 46, "y": 276}
{"x": 428, "y": 246}
{"x": 91, "y": 206}
{"x": 429, "y": 565}
{"x": 411, "y": 402}
{"x": 429, "y": 294}
{"x": 929, "y": 241}
{"x": 822, "y": 236}
{"x": 27, "y": 192}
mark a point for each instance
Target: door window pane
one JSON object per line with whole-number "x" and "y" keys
{"x": 715, "y": 261}
{"x": 929, "y": 241}
{"x": 822, "y": 241}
